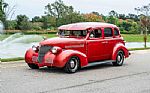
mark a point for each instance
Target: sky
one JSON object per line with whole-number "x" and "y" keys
{"x": 33, "y": 8}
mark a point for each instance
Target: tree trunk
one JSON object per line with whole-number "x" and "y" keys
{"x": 145, "y": 37}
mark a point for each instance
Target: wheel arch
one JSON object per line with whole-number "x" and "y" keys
{"x": 65, "y": 55}
{"x": 117, "y": 48}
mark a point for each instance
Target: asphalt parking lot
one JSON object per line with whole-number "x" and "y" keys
{"x": 132, "y": 77}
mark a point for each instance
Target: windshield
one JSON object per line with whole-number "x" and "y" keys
{"x": 73, "y": 33}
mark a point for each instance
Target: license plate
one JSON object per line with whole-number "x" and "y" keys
{"x": 49, "y": 60}
{"x": 34, "y": 58}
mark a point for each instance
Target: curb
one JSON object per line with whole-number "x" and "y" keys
{"x": 138, "y": 51}
{"x": 23, "y": 61}
{"x": 12, "y": 62}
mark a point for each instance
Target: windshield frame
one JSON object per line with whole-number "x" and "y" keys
{"x": 73, "y": 33}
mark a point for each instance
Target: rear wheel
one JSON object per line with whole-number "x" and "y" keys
{"x": 119, "y": 59}
{"x": 72, "y": 65}
{"x": 33, "y": 66}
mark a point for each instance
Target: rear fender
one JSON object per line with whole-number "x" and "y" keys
{"x": 118, "y": 47}
{"x": 62, "y": 58}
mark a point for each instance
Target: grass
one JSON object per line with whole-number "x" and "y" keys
{"x": 49, "y": 35}
{"x": 2, "y": 37}
{"x": 127, "y": 37}
{"x": 11, "y": 59}
{"x": 21, "y": 58}
{"x": 135, "y": 38}
{"x": 133, "y": 49}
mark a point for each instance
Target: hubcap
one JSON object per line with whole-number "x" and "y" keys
{"x": 72, "y": 63}
{"x": 119, "y": 58}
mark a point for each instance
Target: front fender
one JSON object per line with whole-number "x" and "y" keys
{"x": 118, "y": 47}
{"x": 29, "y": 54}
{"x": 62, "y": 58}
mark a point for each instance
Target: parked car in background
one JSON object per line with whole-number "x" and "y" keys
{"x": 79, "y": 45}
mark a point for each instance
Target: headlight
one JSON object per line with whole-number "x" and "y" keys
{"x": 54, "y": 50}
{"x": 35, "y": 48}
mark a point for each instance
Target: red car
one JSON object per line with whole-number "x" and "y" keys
{"x": 79, "y": 45}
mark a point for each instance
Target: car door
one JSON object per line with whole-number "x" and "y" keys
{"x": 109, "y": 42}
{"x": 95, "y": 46}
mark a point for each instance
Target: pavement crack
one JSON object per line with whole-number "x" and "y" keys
{"x": 96, "y": 81}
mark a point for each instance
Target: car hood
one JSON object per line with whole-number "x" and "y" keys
{"x": 61, "y": 42}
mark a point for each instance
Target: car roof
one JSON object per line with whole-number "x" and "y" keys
{"x": 85, "y": 26}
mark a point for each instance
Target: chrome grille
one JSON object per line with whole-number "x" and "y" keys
{"x": 42, "y": 51}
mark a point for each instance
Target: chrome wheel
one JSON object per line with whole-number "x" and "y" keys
{"x": 72, "y": 65}
{"x": 119, "y": 59}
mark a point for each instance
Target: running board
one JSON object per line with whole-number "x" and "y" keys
{"x": 98, "y": 63}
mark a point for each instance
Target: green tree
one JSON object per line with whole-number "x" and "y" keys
{"x": 135, "y": 27}
{"x": 122, "y": 16}
{"x": 60, "y": 12}
{"x": 71, "y": 18}
{"x": 92, "y": 18}
{"x": 3, "y": 7}
{"x": 11, "y": 24}
{"x": 113, "y": 13}
{"x": 23, "y": 22}
{"x": 48, "y": 22}
{"x": 104, "y": 17}
{"x": 36, "y": 19}
{"x": 133, "y": 17}
{"x": 113, "y": 17}
{"x": 145, "y": 21}
{"x": 5, "y": 12}
{"x": 96, "y": 13}
{"x": 112, "y": 20}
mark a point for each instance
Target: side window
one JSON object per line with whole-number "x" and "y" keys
{"x": 116, "y": 32}
{"x": 108, "y": 32}
{"x": 92, "y": 34}
{"x": 96, "y": 34}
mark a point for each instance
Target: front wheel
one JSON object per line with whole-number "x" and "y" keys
{"x": 33, "y": 66}
{"x": 72, "y": 65}
{"x": 119, "y": 59}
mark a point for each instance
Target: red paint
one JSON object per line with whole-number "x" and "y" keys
{"x": 86, "y": 49}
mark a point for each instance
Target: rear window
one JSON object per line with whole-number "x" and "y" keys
{"x": 116, "y": 32}
{"x": 108, "y": 32}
